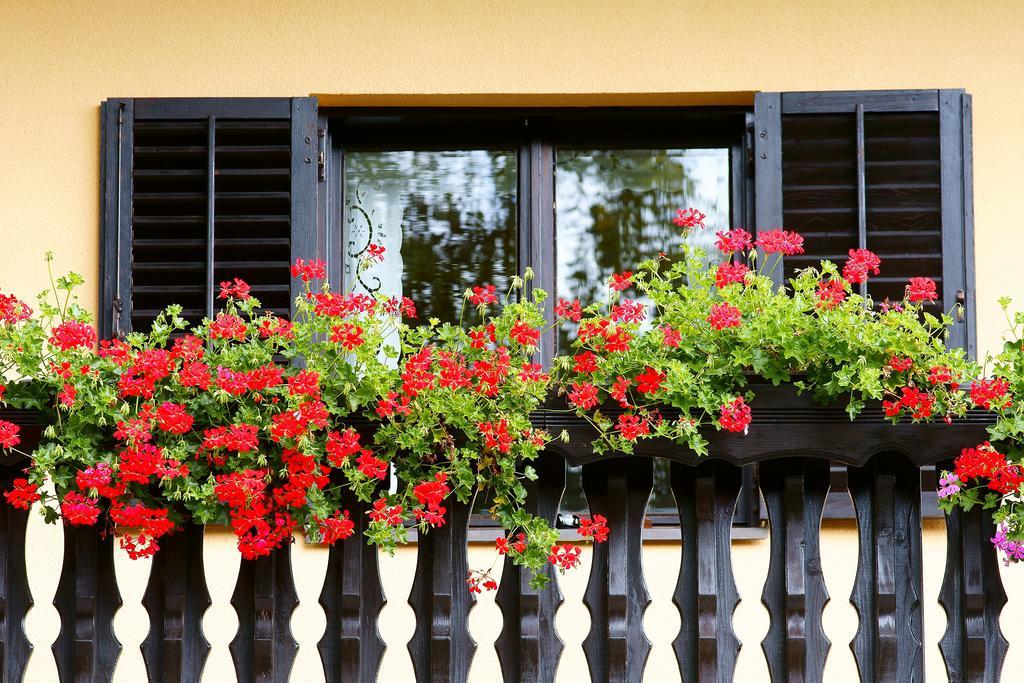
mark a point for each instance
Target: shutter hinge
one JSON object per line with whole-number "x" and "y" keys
{"x": 118, "y": 308}
{"x": 321, "y": 157}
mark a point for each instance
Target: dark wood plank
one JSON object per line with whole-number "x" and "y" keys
{"x": 794, "y": 592}
{"x": 616, "y": 646}
{"x": 957, "y": 209}
{"x": 529, "y": 647}
{"x": 221, "y": 107}
{"x": 887, "y": 589}
{"x": 441, "y": 647}
{"x": 973, "y": 646}
{"x": 537, "y": 231}
{"x": 768, "y": 168}
{"x": 263, "y": 649}
{"x": 830, "y": 102}
{"x": 706, "y": 647}
{"x": 352, "y": 597}
{"x": 177, "y": 598}
{"x": 117, "y": 119}
{"x": 306, "y": 242}
{"x": 785, "y": 423}
{"x": 15, "y": 597}
{"x": 86, "y": 599}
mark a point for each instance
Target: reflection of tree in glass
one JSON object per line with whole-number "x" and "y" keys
{"x": 457, "y": 215}
{"x": 615, "y": 209}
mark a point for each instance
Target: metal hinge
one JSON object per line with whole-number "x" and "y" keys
{"x": 118, "y": 308}
{"x": 321, "y": 157}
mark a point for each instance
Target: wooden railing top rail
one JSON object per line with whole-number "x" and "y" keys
{"x": 785, "y": 424}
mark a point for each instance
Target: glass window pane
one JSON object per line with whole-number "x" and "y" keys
{"x": 446, "y": 218}
{"x": 615, "y": 209}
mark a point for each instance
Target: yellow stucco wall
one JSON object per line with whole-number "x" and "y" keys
{"x": 59, "y": 60}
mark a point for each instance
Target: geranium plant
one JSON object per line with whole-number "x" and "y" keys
{"x": 263, "y": 423}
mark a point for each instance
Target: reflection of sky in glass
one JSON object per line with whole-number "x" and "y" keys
{"x": 615, "y": 209}
{"x": 446, "y": 218}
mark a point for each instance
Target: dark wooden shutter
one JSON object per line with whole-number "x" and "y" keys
{"x": 196, "y": 191}
{"x": 888, "y": 171}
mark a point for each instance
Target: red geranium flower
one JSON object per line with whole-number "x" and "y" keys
{"x": 689, "y": 218}
{"x": 735, "y": 415}
{"x": 583, "y": 395}
{"x": 565, "y": 556}
{"x": 649, "y": 381}
{"x": 733, "y": 240}
{"x": 621, "y": 281}
{"x": 173, "y": 418}
{"x": 23, "y": 494}
{"x": 780, "y": 241}
{"x": 861, "y": 263}
{"x": 482, "y": 296}
{"x": 371, "y": 466}
{"x": 336, "y": 528}
{"x": 595, "y": 528}
{"x": 989, "y": 393}
{"x": 234, "y": 289}
{"x": 724, "y": 315}
{"x": 921, "y": 289}
{"x": 13, "y": 310}
{"x": 311, "y": 270}
{"x": 831, "y": 293}
{"x": 9, "y": 434}
{"x": 524, "y": 334}
{"x": 79, "y": 510}
{"x": 730, "y": 273}
{"x": 375, "y": 253}
{"x": 73, "y": 334}
{"x": 570, "y": 310}
{"x": 349, "y": 336}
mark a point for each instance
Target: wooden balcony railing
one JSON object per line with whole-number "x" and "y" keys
{"x": 791, "y": 438}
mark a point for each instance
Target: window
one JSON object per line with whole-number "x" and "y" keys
{"x": 198, "y": 189}
{"x": 477, "y": 196}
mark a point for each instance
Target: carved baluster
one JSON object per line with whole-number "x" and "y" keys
{"x": 87, "y": 599}
{"x": 15, "y": 598}
{"x": 617, "y": 647}
{"x": 176, "y": 598}
{"x": 794, "y": 592}
{"x": 529, "y": 646}
{"x": 352, "y": 598}
{"x": 263, "y": 648}
{"x": 441, "y": 646}
{"x": 972, "y": 594}
{"x": 887, "y": 591}
{"x": 706, "y": 647}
